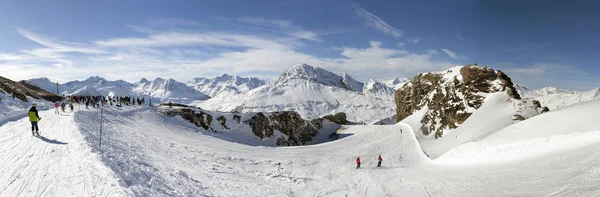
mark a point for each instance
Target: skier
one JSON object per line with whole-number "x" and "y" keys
{"x": 62, "y": 107}
{"x": 400, "y": 130}
{"x": 71, "y": 104}
{"x": 34, "y": 118}
{"x": 278, "y": 169}
{"x": 357, "y": 162}
{"x": 379, "y": 161}
{"x": 56, "y": 107}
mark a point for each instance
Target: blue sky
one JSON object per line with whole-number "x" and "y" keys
{"x": 538, "y": 43}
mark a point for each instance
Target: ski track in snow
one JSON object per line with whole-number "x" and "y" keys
{"x": 148, "y": 154}
{"x": 58, "y": 163}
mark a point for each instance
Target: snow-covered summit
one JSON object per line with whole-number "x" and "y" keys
{"x": 168, "y": 90}
{"x": 378, "y": 88}
{"x": 44, "y": 83}
{"x": 395, "y": 83}
{"x": 231, "y": 84}
{"x": 312, "y": 92}
{"x": 351, "y": 83}
{"x": 317, "y": 75}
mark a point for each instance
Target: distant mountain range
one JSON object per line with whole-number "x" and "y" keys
{"x": 311, "y": 91}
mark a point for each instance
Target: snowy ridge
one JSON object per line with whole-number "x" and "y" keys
{"x": 395, "y": 83}
{"x": 168, "y": 90}
{"x": 225, "y": 83}
{"x": 312, "y": 92}
{"x": 316, "y": 75}
{"x": 373, "y": 87}
{"x": 555, "y": 98}
{"x": 351, "y": 83}
{"x": 45, "y": 84}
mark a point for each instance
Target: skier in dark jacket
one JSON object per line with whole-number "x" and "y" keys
{"x": 358, "y": 162}
{"x": 379, "y": 161}
{"x": 34, "y": 118}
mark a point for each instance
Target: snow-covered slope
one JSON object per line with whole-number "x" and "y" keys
{"x": 59, "y": 163}
{"x": 569, "y": 127}
{"x": 312, "y": 92}
{"x": 225, "y": 83}
{"x": 144, "y": 153}
{"x": 555, "y": 98}
{"x": 168, "y": 90}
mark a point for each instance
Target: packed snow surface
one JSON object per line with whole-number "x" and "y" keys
{"x": 145, "y": 153}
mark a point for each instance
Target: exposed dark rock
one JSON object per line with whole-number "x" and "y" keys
{"x": 537, "y": 103}
{"x": 448, "y": 100}
{"x": 518, "y": 117}
{"x": 261, "y": 126}
{"x": 339, "y": 118}
{"x": 199, "y": 119}
{"x": 237, "y": 118}
{"x": 21, "y": 90}
{"x": 545, "y": 109}
{"x": 295, "y": 130}
{"x": 223, "y": 121}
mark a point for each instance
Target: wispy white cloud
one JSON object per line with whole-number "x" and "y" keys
{"x": 281, "y": 26}
{"x": 401, "y": 44}
{"x": 57, "y": 47}
{"x": 186, "y": 54}
{"x": 376, "y": 22}
{"x": 172, "y": 39}
{"x": 450, "y": 53}
{"x": 459, "y": 36}
{"x": 415, "y": 41}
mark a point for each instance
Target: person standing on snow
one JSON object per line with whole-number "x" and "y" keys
{"x": 278, "y": 169}
{"x": 56, "y": 107}
{"x": 358, "y": 162}
{"x": 34, "y": 118}
{"x": 379, "y": 161}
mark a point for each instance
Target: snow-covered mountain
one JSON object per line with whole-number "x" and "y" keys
{"x": 376, "y": 88}
{"x": 45, "y": 84}
{"x": 351, "y": 83}
{"x": 459, "y": 105}
{"x": 312, "y": 92}
{"x": 168, "y": 90}
{"x": 555, "y": 98}
{"x": 97, "y": 86}
{"x": 225, "y": 83}
{"x": 395, "y": 83}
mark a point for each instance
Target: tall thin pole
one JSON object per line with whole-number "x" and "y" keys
{"x": 101, "y": 111}
{"x": 56, "y": 88}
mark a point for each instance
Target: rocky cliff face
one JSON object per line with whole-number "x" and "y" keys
{"x": 287, "y": 128}
{"x": 22, "y": 89}
{"x": 450, "y": 97}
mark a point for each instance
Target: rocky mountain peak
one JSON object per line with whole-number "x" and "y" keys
{"x": 450, "y": 97}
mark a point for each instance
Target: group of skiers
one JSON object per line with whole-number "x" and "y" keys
{"x": 94, "y": 101}
{"x": 379, "y": 160}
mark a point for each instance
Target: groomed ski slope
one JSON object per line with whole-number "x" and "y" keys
{"x": 59, "y": 163}
{"x": 149, "y": 154}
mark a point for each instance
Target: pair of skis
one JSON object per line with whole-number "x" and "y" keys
{"x": 35, "y": 133}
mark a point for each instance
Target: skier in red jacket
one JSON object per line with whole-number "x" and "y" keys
{"x": 56, "y": 107}
{"x": 379, "y": 161}
{"x": 358, "y": 162}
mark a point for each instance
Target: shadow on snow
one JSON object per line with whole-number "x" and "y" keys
{"x": 52, "y": 141}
